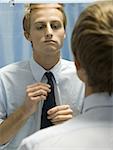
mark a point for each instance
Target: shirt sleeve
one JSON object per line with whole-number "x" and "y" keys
{"x": 25, "y": 145}
{"x": 3, "y": 113}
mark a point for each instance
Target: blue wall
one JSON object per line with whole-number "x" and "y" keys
{"x": 13, "y": 46}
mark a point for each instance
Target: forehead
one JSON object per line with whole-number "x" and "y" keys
{"x": 46, "y": 14}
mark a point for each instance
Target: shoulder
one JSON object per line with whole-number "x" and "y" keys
{"x": 71, "y": 134}
{"x": 50, "y": 136}
{"x": 14, "y": 67}
{"x": 67, "y": 62}
{"x": 68, "y": 65}
{"x": 48, "y": 133}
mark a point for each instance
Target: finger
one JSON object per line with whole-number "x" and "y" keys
{"x": 57, "y": 108}
{"x": 38, "y": 98}
{"x": 36, "y": 88}
{"x": 38, "y": 84}
{"x": 37, "y": 93}
{"x": 61, "y": 118}
{"x": 61, "y": 112}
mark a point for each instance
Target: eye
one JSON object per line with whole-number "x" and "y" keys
{"x": 55, "y": 25}
{"x": 40, "y": 26}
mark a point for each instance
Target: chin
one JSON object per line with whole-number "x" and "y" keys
{"x": 51, "y": 48}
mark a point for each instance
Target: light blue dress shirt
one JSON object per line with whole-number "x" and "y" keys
{"x": 13, "y": 81}
{"x": 92, "y": 130}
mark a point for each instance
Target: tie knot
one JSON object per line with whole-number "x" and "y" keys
{"x": 49, "y": 75}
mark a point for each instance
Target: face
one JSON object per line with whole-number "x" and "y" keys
{"x": 46, "y": 30}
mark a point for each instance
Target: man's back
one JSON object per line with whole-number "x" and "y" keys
{"x": 91, "y": 130}
{"x": 89, "y": 138}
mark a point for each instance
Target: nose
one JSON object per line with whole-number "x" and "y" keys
{"x": 49, "y": 31}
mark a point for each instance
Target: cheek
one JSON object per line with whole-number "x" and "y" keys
{"x": 62, "y": 39}
{"x": 35, "y": 37}
{"x": 61, "y": 36}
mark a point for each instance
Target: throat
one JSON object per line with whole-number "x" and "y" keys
{"x": 47, "y": 62}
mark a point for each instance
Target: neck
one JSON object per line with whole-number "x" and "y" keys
{"x": 47, "y": 62}
{"x": 88, "y": 90}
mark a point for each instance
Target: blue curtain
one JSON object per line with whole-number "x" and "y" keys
{"x": 13, "y": 45}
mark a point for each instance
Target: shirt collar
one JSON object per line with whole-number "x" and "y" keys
{"x": 38, "y": 71}
{"x": 97, "y": 100}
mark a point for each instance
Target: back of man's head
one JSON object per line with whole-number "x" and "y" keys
{"x": 92, "y": 45}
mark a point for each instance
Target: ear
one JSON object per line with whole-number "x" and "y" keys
{"x": 77, "y": 64}
{"x": 27, "y": 36}
{"x": 82, "y": 75}
{"x": 64, "y": 35}
{"x": 81, "y": 72}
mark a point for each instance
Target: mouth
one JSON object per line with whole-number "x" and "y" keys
{"x": 50, "y": 41}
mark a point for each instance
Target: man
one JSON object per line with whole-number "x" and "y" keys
{"x": 92, "y": 45}
{"x": 25, "y": 86}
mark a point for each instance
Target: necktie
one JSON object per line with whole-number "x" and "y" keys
{"x": 48, "y": 103}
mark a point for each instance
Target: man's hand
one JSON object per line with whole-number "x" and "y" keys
{"x": 34, "y": 94}
{"x": 59, "y": 114}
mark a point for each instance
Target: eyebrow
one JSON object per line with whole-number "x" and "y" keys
{"x": 39, "y": 22}
{"x": 42, "y": 22}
